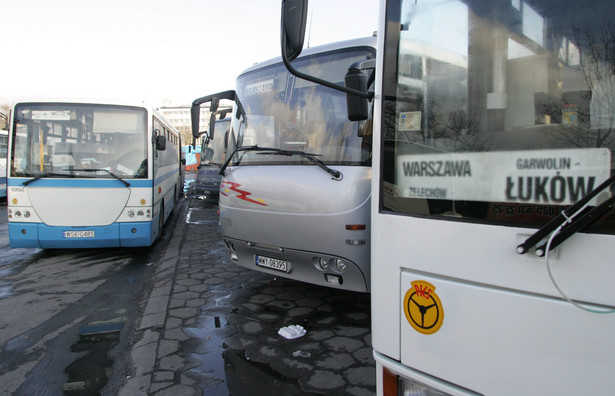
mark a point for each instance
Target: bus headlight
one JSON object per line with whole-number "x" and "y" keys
{"x": 140, "y": 214}
{"x": 131, "y": 214}
{"x": 18, "y": 213}
{"x": 26, "y": 214}
{"x": 340, "y": 265}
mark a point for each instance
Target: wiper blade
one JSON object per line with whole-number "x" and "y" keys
{"x": 586, "y": 219}
{"x": 311, "y": 157}
{"x": 103, "y": 170}
{"x": 238, "y": 149}
{"x": 46, "y": 174}
{"x": 567, "y": 215}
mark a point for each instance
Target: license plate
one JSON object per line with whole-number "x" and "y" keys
{"x": 78, "y": 234}
{"x": 280, "y": 265}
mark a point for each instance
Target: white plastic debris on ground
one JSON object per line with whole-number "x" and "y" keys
{"x": 292, "y": 331}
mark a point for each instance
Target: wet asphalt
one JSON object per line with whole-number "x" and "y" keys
{"x": 210, "y": 327}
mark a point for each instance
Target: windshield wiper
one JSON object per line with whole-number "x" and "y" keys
{"x": 312, "y": 157}
{"x": 576, "y": 216}
{"x": 46, "y": 174}
{"x": 103, "y": 170}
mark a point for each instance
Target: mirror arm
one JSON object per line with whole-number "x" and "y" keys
{"x": 292, "y": 70}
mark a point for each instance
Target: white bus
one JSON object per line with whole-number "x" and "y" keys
{"x": 492, "y": 213}
{"x": 213, "y": 156}
{"x": 90, "y": 174}
{"x": 4, "y": 144}
{"x": 295, "y": 194}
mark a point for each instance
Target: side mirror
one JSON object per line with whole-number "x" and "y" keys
{"x": 161, "y": 143}
{"x": 294, "y": 17}
{"x": 195, "y": 116}
{"x": 212, "y": 125}
{"x": 356, "y": 105}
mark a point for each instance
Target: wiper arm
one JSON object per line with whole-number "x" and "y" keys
{"x": 46, "y": 174}
{"x": 103, "y": 170}
{"x": 312, "y": 157}
{"x": 567, "y": 215}
{"x": 238, "y": 149}
{"x": 587, "y": 218}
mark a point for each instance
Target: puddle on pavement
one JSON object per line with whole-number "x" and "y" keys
{"x": 199, "y": 216}
{"x": 88, "y": 374}
{"x": 208, "y": 352}
{"x": 244, "y": 376}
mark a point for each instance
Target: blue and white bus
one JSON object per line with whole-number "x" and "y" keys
{"x": 90, "y": 174}
{"x": 4, "y": 143}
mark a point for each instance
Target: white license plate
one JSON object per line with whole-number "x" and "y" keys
{"x": 280, "y": 265}
{"x": 78, "y": 234}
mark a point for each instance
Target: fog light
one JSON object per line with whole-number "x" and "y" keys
{"x": 340, "y": 265}
{"x": 234, "y": 256}
{"x": 323, "y": 263}
{"x": 334, "y": 279}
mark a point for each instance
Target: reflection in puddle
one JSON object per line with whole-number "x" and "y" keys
{"x": 210, "y": 336}
{"x": 88, "y": 374}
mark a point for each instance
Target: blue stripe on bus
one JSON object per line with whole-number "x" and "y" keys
{"x": 161, "y": 178}
{"x": 51, "y": 182}
{"x": 36, "y": 235}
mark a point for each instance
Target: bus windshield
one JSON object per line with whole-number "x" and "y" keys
{"x": 467, "y": 134}
{"x": 79, "y": 140}
{"x": 291, "y": 114}
{"x": 213, "y": 151}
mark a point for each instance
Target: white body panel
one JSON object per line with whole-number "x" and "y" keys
{"x": 56, "y": 206}
{"x": 296, "y": 221}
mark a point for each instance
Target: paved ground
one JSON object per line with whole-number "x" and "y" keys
{"x": 210, "y": 327}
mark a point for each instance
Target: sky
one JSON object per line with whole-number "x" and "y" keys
{"x": 162, "y": 52}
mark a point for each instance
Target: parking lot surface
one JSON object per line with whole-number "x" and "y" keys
{"x": 211, "y": 327}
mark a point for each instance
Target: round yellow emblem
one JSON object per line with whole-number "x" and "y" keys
{"x": 423, "y": 307}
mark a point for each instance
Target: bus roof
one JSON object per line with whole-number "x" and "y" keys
{"x": 358, "y": 42}
{"x": 113, "y": 102}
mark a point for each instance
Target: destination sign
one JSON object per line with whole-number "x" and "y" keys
{"x": 558, "y": 177}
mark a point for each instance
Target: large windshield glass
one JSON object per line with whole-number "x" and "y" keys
{"x": 288, "y": 113}
{"x": 500, "y": 111}
{"x": 68, "y": 140}
{"x": 213, "y": 151}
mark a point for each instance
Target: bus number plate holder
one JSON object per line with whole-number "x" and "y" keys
{"x": 268, "y": 262}
{"x": 78, "y": 234}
